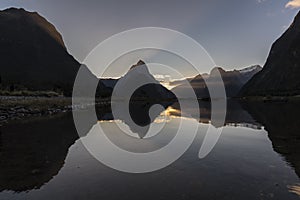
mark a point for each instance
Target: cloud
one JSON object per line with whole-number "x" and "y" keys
{"x": 293, "y": 4}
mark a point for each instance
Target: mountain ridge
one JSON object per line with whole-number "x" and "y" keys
{"x": 281, "y": 72}
{"x": 33, "y": 54}
{"x": 233, "y": 80}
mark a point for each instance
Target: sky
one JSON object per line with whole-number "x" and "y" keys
{"x": 235, "y": 33}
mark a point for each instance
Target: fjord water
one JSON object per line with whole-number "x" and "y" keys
{"x": 256, "y": 157}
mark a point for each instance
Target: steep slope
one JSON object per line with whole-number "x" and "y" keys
{"x": 33, "y": 54}
{"x": 281, "y": 73}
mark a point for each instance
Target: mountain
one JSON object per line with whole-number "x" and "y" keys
{"x": 143, "y": 93}
{"x": 248, "y": 72}
{"x": 139, "y": 73}
{"x": 109, "y": 82}
{"x": 88, "y": 80}
{"x": 281, "y": 73}
{"x": 33, "y": 54}
{"x": 233, "y": 81}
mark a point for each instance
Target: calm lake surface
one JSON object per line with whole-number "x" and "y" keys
{"x": 256, "y": 157}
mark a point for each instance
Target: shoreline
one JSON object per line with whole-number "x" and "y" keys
{"x": 270, "y": 99}
{"x": 23, "y": 107}
{"x": 14, "y": 108}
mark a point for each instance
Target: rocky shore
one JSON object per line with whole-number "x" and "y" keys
{"x": 17, "y": 108}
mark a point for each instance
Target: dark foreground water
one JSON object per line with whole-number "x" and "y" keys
{"x": 256, "y": 157}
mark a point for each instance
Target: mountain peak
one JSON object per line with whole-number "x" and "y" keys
{"x": 251, "y": 68}
{"x": 215, "y": 71}
{"x": 33, "y": 55}
{"x": 139, "y": 63}
{"x": 31, "y": 20}
{"x": 13, "y": 9}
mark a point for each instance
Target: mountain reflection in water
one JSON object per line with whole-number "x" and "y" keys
{"x": 33, "y": 152}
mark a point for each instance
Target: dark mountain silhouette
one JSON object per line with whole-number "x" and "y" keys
{"x": 109, "y": 82}
{"x": 139, "y": 73}
{"x": 88, "y": 80}
{"x": 281, "y": 73}
{"x": 142, "y": 91}
{"x": 33, "y": 54}
{"x": 233, "y": 81}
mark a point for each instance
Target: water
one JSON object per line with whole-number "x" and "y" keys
{"x": 256, "y": 157}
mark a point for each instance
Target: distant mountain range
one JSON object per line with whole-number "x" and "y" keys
{"x": 281, "y": 73}
{"x": 232, "y": 80}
